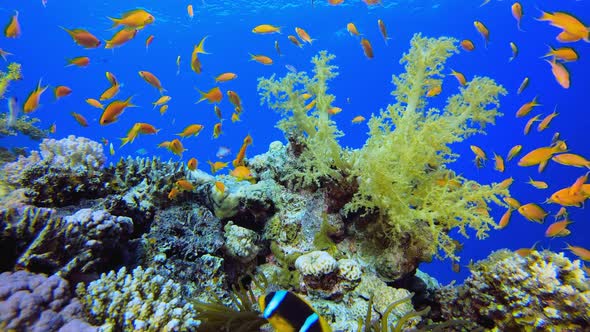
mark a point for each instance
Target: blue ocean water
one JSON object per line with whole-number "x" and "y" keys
{"x": 363, "y": 86}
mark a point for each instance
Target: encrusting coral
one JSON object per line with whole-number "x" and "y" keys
{"x": 543, "y": 291}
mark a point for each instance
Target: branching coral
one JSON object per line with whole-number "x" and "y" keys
{"x": 25, "y": 125}
{"x": 321, "y": 157}
{"x": 401, "y": 169}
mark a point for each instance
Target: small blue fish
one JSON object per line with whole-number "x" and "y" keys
{"x": 14, "y": 111}
{"x": 141, "y": 152}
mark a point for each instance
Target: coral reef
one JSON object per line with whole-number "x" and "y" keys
{"x": 320, "y": 157}
{"x": 35, "y": 302}
{"x": 240, "y": 242}
{"x": 185, "y": 243}
{"x": 39, "y": 240}
{"x": 408, "y": 143}
{"x": 63, "y": 172}
{"x": 543, "y": 291}
{"x": 140, "y": 301}
{"x": 24, "y": 125}
{"x": 140, "y": 186}
{"x": 13, "y": 74}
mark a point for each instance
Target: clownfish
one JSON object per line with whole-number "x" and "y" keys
{"x": 286, "y": 311}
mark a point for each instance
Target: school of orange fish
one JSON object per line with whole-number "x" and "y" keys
{"x": 572, "y": 30}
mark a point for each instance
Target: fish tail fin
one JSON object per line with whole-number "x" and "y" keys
{"x": 116, "y": 22}
{"x": 124, "y": 141}
{"x": 200, "y": 48}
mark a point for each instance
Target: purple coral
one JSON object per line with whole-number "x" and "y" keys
{"x": 35, "y": 302}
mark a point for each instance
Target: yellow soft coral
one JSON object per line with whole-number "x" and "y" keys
{"x": 13, "y": 74}
{"x": 322, "y": 156}
{"x": 401, "y": 169}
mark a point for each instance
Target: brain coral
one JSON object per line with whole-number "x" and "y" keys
{"x": 543, "y": 291}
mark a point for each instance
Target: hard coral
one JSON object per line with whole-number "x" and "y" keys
{"x": 400, "y": 166}
{"x": 63, "y": 172}
{"x": 543, "y": 291}
{"x": 24, "y": 124}
{"x": 141, "y": 301}
{"x": 35, "y": 302}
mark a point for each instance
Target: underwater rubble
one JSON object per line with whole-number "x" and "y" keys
{"x": 96, "y": 247}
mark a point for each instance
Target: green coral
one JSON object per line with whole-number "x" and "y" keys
{"x": 322, "y": 157}
{"x": 401, "y": 170}
{"x": 409, "y": 146}
{"x": 13, "y": 74}
{"x": 25, "y": 125}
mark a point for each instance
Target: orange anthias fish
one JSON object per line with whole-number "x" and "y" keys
{"x": 62, "y": 91}
{"x": 538, "y": 184}
{"x": 226, "y": 77}
{"x": 112, "y": 78}
{"x": 558, "y": 228}
{"x": 241, "y": 173}
{"x": 564, "y": 198}
{"x": 566, "y": 54}
{"x": 498, "y": 163}
{"x": 190, "y": 11}
{"x": 263, "y": 59}
{"x": 195, "y": 62}
{"x": 176, "y": 147}
{"x": 478, "y": 152}
{"x": 367, "y": 48}
{"x": 467, "y": 45}
{"x": 137, "y": 18}
{"x": 351, "y": 28}
{"x": 517, "y": 13}
{"x": 213, "y": 96}
{"x": 540, "y": 155}
{"x": 526, "y": 108}
{"x": 192, "y": 164}
{"x": 583, "y": 253}
{"x": 358, "y": 119}
{"x": 561, "y": 74}
{"x": 217, "y": 130}
{"x": 80, "y": 119}
{"x": 460, "y": 77}
{"x": 573, "y": 28}
{"x": 12, "y": 30}
{"x": 294, "y": 40}
{"x": 234, "y": 98}
{"x": 121, "y": 37}
{"x": 515, "y": 150}
{"x": 152, "y": 80}
{"x": 83, "y": 38}
{"x": 94, "y": 103}
{"x": 81, "y": 61}
{"x": 191, "y": 130}
{"x": 512, "y": 202}
{"x": 217, "y": 166}
{"x": 110, "y": 92}
{"x": 546, "y": 121}
{"x": 576, "y": 188}
{"x": 483, "y": 31}
{"x": 505, "y": 219}
{"x": 303, "y": 35}
{"x": 183, "y": 184}
{"x": 383, "y": 30}
{"x": 113, "y": 110}
{"x": 532, "y": 212}
{"x": 434, "y": 91}
{"x": 239, "y": 161}
{"x": 571, "y": 159}
{"x": 266, "y": 28}
{"x": 529, "y": 124}
{"x": 32, "y": 102}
